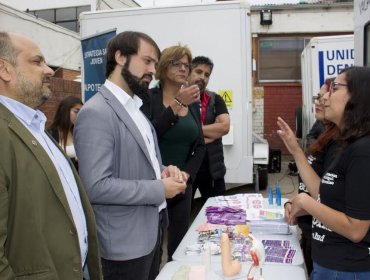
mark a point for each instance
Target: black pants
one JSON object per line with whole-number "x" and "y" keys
{"x": 179, "y": 209}
{"x": 306, "y": 249}
{"x": 207, "y": 186}
{"x": 143, "y": 268}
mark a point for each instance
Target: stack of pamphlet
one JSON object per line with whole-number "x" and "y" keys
{"x": 269, "y": 222}
{"x": 269, "y": 227}
{"x": 261, "y": 218}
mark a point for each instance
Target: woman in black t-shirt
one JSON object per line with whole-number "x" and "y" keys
{"x": 320, "y": 153}
{"x": 340, "y": 227}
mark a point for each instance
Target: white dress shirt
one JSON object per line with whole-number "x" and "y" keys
{"x": 132, "y": 106}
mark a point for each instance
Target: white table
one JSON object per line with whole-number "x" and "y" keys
{"x": 192, "y": 236}
{"x": 270, "y": 272}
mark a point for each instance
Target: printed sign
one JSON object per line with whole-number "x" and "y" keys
{"x": 93, "y": 50}
{"x": 227, "y": 96}
{"x": 333, "y": 61}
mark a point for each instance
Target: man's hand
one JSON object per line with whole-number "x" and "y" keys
{"x": 172, "y": 171}
{"x": 185, "y": 176}
{"x": 173, "y": 186}
{"x": 208, "y": 140}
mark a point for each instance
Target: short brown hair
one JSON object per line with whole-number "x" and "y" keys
{"x": 7, "y": 49}
{"x": 128, "y": 44}
{"x": 168, "y": 55}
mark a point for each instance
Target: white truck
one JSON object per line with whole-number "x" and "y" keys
{"x": 362, "y": 32}
{"x": 220, "y": 31}
{"x": 322, "y": 58}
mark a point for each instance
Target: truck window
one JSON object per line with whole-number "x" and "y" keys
{"x": 280, "y": 59}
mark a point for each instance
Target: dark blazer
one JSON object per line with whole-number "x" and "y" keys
{"x": 163, "y": 118}
{"x": 38, "y": 237}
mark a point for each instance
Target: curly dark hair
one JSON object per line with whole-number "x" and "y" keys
{"x": 202, "y": 60}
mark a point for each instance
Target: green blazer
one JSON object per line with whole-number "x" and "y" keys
{"x": 38, "y": 237}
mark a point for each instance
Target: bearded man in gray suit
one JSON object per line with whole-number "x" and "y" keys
{"x": 120, "y": 162}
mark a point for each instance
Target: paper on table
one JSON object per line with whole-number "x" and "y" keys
{"x": 269, "y": 227}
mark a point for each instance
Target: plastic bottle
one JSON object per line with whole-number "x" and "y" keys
{"x": 278, "y": 194}
{"x": 271, "y": 197}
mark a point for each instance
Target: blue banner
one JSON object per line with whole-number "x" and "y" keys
{"x": 93, "y": 51}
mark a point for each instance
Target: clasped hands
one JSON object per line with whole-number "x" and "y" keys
{"x": 174, "y": 181}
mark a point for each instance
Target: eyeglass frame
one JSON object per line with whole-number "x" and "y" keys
{"x": 317, "y": 97}
{"x": 177, "y": 64}
{"x": 333, "y": 84}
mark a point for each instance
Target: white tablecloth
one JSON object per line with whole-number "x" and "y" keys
{"x": 269, "y": 272}
{"x": 192, "y": 236}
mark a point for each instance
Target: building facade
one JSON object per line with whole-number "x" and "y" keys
{"x": 277, "y": 48}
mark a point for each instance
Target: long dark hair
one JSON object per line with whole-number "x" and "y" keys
{"x": 356, "y": 116}
{"x": 331, "y": 130}
{"x": 62, "y": 120}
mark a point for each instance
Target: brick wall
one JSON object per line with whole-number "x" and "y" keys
{"x": 280, "y": 100}
{"x": 67, "y": 74}
{"x": 61, "y": 89}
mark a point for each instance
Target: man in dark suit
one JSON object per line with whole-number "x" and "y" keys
{"x": 47, "y": 226}
{"x": 120, "y": 162}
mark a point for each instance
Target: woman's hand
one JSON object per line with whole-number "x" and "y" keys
{"x": 288, "y": 136}
{"x": 188, "y": 94}
{"x": 288, "y": 215}
{"x": 298, "y": 202}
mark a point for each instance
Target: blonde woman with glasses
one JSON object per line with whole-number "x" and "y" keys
{"x": 173, "y": 108}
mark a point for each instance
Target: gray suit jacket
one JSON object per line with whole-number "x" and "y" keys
{"x": 120, "y": 181}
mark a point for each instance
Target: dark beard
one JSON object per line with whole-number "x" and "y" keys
{"x": 135, "y": 84}
{"x": 201, "y": 85}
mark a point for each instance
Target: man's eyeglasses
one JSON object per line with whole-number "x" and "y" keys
{"x": 334, "y": 87}
{"x": 177, "y": 64}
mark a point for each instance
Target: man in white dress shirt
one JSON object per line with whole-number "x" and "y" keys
{"x": 120, "y": 162}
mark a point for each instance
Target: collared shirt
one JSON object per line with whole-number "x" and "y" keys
{"x": 132, "y": 106}
{"x": 34, "y": 121}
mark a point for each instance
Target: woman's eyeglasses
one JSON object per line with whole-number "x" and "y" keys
{"x": 316, "y": 98}
{"x": 178, "y": 64}
{"x": 334, "y": 87}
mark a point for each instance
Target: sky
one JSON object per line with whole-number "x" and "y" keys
{"x": 149, "y": 3}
